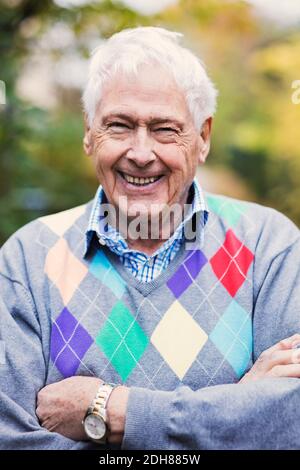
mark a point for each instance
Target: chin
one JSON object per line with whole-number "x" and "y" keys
{"x": 134, "y": 211}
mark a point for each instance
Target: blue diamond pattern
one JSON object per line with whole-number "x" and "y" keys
{"x": 232, "y": 336}
{"x": 103, "y": 270}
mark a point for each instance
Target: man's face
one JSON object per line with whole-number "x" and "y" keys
{"x": 143, "y": 141}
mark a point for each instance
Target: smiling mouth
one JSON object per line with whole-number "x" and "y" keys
{"x": 139, "y": 181}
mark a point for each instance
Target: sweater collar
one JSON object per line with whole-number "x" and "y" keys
{"x": 113, "y": 238}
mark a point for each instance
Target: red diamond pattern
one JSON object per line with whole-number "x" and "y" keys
{"x": 234, "y": 259}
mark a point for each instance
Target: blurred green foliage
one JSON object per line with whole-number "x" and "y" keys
{"x": 256, "y": 129}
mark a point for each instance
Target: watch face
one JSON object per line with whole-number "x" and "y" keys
{"x": 94, "y": 426}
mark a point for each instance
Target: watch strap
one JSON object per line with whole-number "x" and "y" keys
{"x": 98, "y": 406}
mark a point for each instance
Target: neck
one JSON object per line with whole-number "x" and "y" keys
{"x": 166, "y": 225}
{"x": 147, "y": 246}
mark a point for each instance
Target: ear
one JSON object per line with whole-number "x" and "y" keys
{"x": 87, "y": 144}
{"x": 205, "y": 134}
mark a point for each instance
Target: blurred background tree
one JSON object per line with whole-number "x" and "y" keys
{"x": 252, "y": 55}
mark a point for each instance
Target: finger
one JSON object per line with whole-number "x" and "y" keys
{"x": 42, "y": 414}
{"x": 39, "y": 413}
{"x": 270, "y": 359}
{"x": 291, "y": 370}
{"x": 40, "y": 397}
{"x": 52, "y": 427}
{"x": 45, "y": 423}
{"x": 286, "y": 343}
{"x": 49, "y": 424}
{"x": 290, "y": 356}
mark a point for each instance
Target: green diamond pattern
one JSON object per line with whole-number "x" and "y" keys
{"x": 122, "y": 340}
{"x": 231, "y": 211}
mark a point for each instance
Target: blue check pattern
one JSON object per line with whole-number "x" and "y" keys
{"x": 145, "y": 268}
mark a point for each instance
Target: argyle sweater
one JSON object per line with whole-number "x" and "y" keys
{"x": 180, "y": 342}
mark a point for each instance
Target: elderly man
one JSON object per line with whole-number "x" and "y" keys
{"x": 114, "y": 339}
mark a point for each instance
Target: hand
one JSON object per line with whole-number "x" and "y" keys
{"x": 281, "y": 360}
{"x": 62, "y": 406}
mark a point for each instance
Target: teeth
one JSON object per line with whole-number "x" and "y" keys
{"x": 139, "y": 181}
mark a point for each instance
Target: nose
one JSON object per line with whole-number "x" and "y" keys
{"x": 141, "y": 150}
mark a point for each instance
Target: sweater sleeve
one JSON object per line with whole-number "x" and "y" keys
{"x": 256, "y": 415}
{"x": 22, "y": 368}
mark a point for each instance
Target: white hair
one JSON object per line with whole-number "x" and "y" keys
{"x": 127, "y": 50}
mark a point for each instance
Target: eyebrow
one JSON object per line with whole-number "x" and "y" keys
{"x": 152, "y": 121}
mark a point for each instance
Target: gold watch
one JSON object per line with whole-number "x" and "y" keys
{"x": 95, "y": 422}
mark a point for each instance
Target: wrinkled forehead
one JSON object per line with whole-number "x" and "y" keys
{"x": 147, "y": 94}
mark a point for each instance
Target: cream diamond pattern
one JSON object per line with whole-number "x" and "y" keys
{"x": 64, "y": 269}
{"x": 59, "y": 223}
{"x": 179, "y": 339}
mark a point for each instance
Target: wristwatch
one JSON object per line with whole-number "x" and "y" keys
{"x": 94, "y": 422}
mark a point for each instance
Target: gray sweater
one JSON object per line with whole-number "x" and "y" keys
{"x": 181, "y": 342}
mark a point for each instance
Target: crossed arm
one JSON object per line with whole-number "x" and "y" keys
{"x": 62, "y": 406}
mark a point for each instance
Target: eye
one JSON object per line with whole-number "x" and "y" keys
{"x": 118, "y": 126}
{"x": 166, "y": 129}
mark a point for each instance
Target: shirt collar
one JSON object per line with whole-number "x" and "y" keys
{"x": 113, "y": 237}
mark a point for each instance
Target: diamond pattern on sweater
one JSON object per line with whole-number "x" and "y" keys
{"x": 178, "y": 338}
{"x": 233, "y": 337}
{"x": 122, "y": 340}
{"x": 64, "y": 269}
{"x": 230, "y": 210}
{"x": 103, "y": 270}
{"x": 231, "y": 263}
{"x": 187, "y": 272}
{"x": 147, "y": 369}
{"x": 61, "y": 222}
{"x": 170, "y": 342}
{"x": 69, "y": 343}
